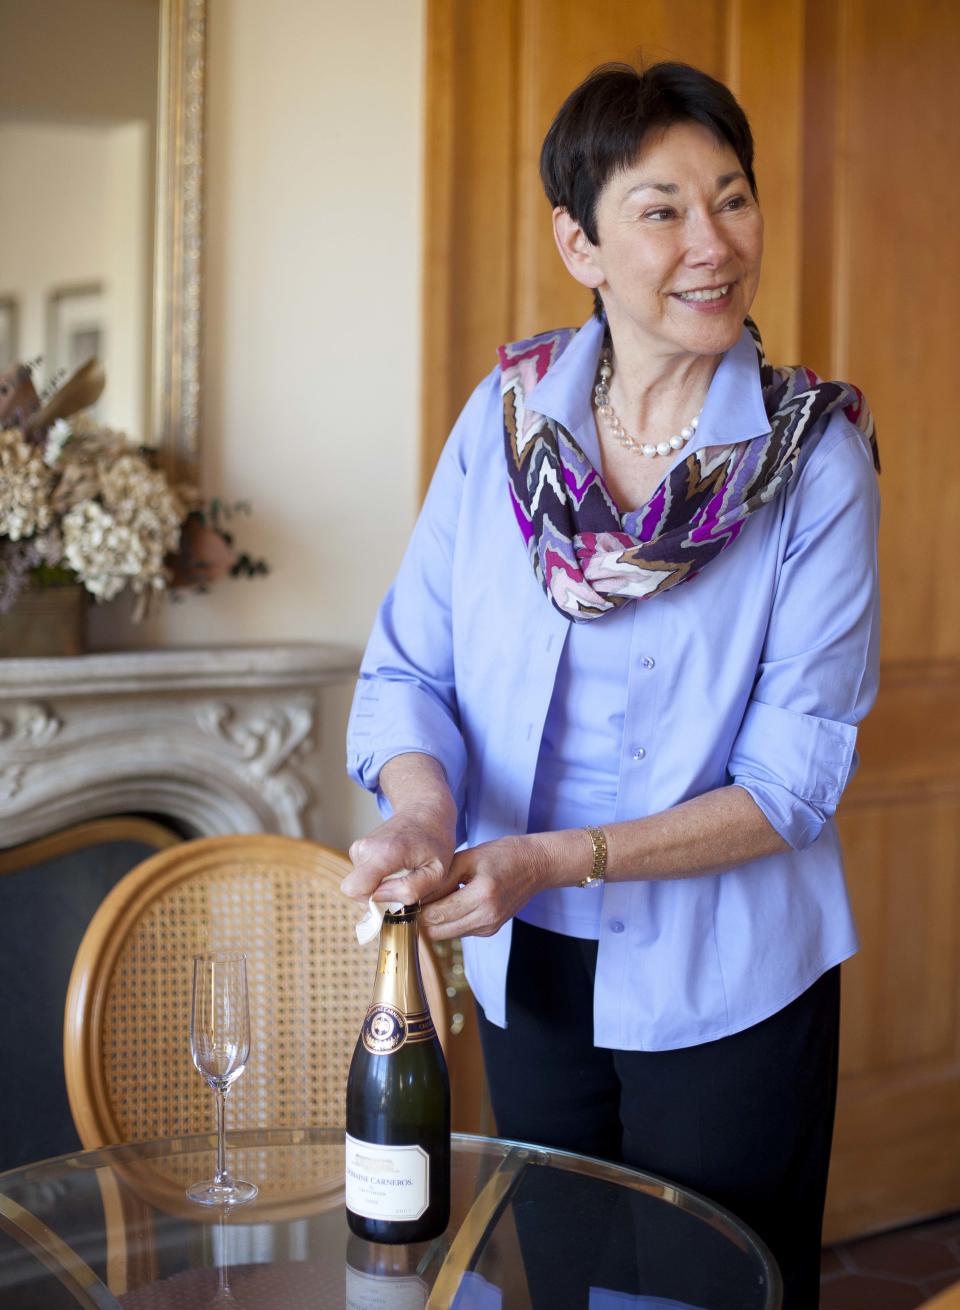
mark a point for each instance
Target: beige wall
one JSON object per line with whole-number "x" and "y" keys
{"x": 312, "y": 326}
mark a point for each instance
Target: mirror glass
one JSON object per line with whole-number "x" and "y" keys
{"x": 78, "y": 148}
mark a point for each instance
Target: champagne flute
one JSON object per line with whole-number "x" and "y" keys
{"x": 220, "y": 1046}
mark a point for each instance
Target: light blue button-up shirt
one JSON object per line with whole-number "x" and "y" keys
{"x": 756, "y": 672}
{"x": 578, "y": 769}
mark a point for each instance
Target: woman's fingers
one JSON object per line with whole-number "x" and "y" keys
{"x": 458, "y": 915}
{"x": 397, "y": 845}
{"x": 477, "y": 908}
{"x": 493, "y": 881}
{"x": 471, "y": 893}
{"x": 374, "y": 858}
{"x": 426, "y": 882}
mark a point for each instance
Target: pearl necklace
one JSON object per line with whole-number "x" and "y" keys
{"x": 601, "y": 400}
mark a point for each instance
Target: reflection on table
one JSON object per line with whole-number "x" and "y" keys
{"x": 529, "y": 1228}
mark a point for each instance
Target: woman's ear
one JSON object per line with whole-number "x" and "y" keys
{"x": 576, "y": 250}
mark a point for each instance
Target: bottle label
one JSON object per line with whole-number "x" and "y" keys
{"x": 386, "y": 1182}
{"x": 386, "y": 1029}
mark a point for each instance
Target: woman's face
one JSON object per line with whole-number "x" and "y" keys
{"x": 680, "y": 243}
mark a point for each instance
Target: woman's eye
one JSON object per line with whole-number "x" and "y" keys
{"x": 660, "y": 215}
{"x": 735, "y": 202}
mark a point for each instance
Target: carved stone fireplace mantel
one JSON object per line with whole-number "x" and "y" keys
{"x": 218, "y": 739}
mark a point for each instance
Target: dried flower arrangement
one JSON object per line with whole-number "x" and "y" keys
{"x": 82, "y": 503}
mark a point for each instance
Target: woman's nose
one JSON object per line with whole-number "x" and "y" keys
{"x": 707, "y": 241}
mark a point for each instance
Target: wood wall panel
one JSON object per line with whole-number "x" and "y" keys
{"x": 469, "y": 204}
{"x": 898, "y": 1109}
{"x": 903, "y": 857}
{"x": 886, "y": 75}
{"x": 912, "y": 738}
{"x": 903, "y": 276}
{"x": 916, "y": 1170}
{"x": 858, "y": 141}
{"x": 764, "y": 69}
{"x": 821, "y": 165}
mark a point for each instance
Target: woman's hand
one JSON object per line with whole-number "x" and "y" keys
{"x": 485, "y": 887}
{"x": 421, "y": 840}
{"x": 421, "y": 835}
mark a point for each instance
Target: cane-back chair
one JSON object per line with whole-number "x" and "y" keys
{"x": 126, "y": 1031}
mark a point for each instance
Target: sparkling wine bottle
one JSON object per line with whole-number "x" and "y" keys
{"x": 398, "y": 1103}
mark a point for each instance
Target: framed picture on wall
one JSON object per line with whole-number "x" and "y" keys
{"x": 76, "y": 327}
{"x": 9, "y": 344}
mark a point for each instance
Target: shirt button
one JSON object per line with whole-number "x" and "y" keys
{"x": 647, "y": 662}
{"x": 639, "y": 753}
{"x": 616, "y": 925}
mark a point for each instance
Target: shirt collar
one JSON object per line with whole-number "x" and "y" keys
{"x": 565, "y": 392}
{"x": 733, "y": 410}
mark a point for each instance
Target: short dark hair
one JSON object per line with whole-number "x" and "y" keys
{"x": 601, "y": 127}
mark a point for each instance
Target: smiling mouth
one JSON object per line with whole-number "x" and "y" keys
{"x": 704, "y": 293}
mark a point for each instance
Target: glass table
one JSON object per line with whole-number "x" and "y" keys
{"x": 529, "y": 1228}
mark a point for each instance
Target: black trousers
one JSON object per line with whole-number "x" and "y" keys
{"x": 746, "y": 1120}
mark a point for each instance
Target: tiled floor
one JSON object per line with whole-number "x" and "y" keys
{"x": 893, "y": 1271}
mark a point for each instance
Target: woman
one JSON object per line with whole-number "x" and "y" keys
{"x": 641, "y": 774}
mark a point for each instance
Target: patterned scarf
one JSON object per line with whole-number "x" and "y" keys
{"x": 588, "y": 557}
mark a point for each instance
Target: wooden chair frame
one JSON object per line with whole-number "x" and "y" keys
{"x": 127, "y": 827}
{"x": 115, "y": 920}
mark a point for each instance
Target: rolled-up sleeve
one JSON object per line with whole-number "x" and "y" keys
{"x": 392, "y": 717}
{"x": 818, "y": 676}
{"x": 406, "y": 698}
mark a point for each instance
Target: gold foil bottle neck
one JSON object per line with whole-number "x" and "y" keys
{"x": 404, "y": 914}
{"x": 398, "y": 982}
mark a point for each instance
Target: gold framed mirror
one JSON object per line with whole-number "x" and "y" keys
{"x": 101, "y": 221}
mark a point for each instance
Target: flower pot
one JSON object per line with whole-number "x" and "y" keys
{"x": 45, "y": 621}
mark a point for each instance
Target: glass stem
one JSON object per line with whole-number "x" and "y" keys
{"x": 223, "y": 1276}
{"x": 221, "y": 1174}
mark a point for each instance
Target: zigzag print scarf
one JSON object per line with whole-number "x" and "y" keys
{"x": 589, "y": 558}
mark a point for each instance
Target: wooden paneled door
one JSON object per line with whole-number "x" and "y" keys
{"x": 853, "y": 106}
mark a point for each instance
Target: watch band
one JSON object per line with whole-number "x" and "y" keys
{"x": 599, "y": 870}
